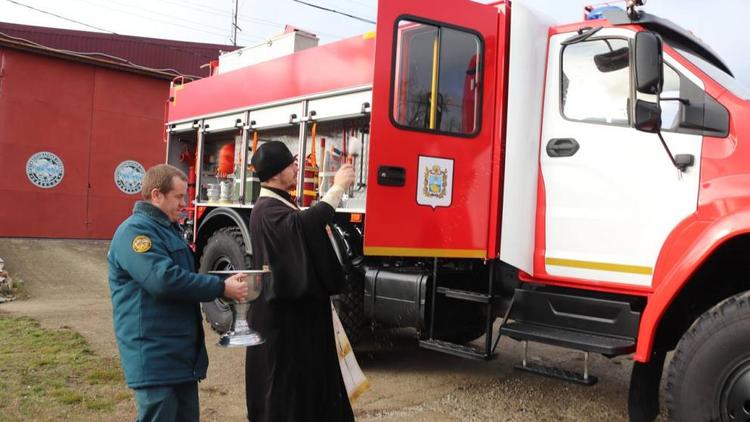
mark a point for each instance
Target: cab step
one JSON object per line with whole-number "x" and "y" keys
{"x": 454, "y": 349}
{"x": 575, "y": 319}
{"x": 597, "y": 343}
{"x": 553, "y": 372}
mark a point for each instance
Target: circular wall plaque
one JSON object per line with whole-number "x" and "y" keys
{"x": 45, "y": 169}
{"x": 128, "y": 176}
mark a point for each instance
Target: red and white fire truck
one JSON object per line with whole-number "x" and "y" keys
{"x": 583, "y": 185}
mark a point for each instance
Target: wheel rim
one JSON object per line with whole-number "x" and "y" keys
{"x": 223, "y": 264}
{"x": 735, "y": 394}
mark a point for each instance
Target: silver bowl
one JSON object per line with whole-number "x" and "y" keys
{"x": 241, "y": 334}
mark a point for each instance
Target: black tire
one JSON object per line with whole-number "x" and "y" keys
{"x": 350, "y": 306}
{"x": 709, "y": 376}
{"x": 225, "y": 250}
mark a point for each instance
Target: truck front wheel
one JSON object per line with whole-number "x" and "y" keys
{"x": 709, "y": 376}
{"x": 225, "y": 250}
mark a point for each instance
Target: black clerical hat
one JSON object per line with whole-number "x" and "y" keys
{"x": 270, "y": 159}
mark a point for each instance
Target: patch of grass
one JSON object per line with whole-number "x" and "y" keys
{"x": 101, "y": 405}
{"x": 67, "y": 396}
{"x": 54, "y": 375}
{"x": 119, "y": 396}
{"x": 105, "y": 376}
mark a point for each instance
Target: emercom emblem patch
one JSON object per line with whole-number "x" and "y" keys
{"x": 141, "y": 244}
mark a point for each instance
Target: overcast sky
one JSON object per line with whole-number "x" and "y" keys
{"x": 720, "y": 23}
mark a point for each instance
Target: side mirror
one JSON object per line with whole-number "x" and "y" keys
{"x": 649, "y": 72}
{"x": 647, "y": 116}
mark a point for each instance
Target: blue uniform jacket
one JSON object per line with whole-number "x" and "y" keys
{"x": 155, "y": 301}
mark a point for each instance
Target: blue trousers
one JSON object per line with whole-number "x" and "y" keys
{"x": 168, "y": 403}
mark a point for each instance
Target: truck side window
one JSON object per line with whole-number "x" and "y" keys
{"x": 670, "y": 110}
{"x": 437, "y": 78}
{"x": 686, "y": 108}
{"x": 596, "y": 81}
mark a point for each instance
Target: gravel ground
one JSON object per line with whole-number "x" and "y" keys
{"x": 67, "y": 284}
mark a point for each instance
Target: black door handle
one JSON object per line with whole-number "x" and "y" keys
{"x": 562, "y": 147}
{"x": 391, "y": 176}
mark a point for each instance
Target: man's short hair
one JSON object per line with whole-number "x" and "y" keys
{"x": 160, "y": 177}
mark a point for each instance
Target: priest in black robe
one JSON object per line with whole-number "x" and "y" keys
{"x": 295, "y": 375}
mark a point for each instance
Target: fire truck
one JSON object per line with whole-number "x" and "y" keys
{"x": 582, "y": 185}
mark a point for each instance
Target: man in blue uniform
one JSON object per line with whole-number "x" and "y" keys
{"x": 155, "y": 299}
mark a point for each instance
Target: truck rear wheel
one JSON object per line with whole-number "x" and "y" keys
{"x": 350, "y": 307}
{"x": 225, "y": 250}
{"x": 709, "y": 376}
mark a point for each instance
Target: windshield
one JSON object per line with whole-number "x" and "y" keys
{"x": 728, "y": 82}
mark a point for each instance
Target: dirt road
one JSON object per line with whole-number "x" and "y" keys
{"x": 67, "y": 285}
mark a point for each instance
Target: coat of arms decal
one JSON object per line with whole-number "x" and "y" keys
{"x": 436, "y": 182}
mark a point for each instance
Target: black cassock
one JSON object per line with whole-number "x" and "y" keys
{"x": 295, "y": 374}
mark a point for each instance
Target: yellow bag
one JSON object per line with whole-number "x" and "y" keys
{"x": 354, "y": 380}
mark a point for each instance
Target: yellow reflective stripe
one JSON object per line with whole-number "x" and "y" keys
{"x": 439, "y": 253}
{"x": 602, "y": 266}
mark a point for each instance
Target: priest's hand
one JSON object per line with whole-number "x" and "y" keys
{"x": 235, "y": 287}
{"x": 344, "y": 178}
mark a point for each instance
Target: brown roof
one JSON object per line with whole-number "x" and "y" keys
{"x": 91, "y": 60}
{"x": 162, "y": 55}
